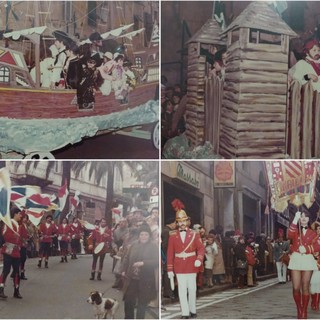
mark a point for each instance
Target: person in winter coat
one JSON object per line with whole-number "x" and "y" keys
{"x": 138, "y": 269}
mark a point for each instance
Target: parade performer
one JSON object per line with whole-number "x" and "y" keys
{"x": 64, "y": 238}
{"x": 102, "y": 237}
{"x": 309, "y": 67}
{"x": 11, "y": 253}
{"x": 76, "y": 231}
{"x": 184, "y": 258}
{"x": 281, "y": 249}
{"x": 302, "y": 262}
{"x": 47, "y": 230}
{"x": 25, "y": 236}
{"x": 315, "y": 279}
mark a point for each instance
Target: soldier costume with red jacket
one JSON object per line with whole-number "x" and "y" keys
{"x": 11, "y": 253}
{"x": 101, "y": 244}
{"x": 76, "y": 230}
{"x": 184, "y": 258}
{"x": 64, "y": 232}
{"x": 47, "y": 231}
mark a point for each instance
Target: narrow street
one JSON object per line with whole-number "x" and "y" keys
{"x": 266, "y": 301}
{"x": 61, "y": 291}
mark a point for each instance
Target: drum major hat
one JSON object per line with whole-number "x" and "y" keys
{"x": 181, "y": 215}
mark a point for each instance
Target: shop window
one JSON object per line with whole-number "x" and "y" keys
{"x": 4, "y": 74}
{"x": 92, "y": 14}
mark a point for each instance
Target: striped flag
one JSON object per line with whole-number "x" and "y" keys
{"x": 35, "y": 215}
{"x": 41, "y": 201}
{"x": 5, "y": 190}
{"x": 75, "y": 201}
{"x": 294, "y": 169}
{"x": 62, "y": 196}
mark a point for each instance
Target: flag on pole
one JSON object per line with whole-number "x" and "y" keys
{"x": 35, "y": 215}
{"x": 19, "y": 194}
{"x": 155, "y": 35}
{"x": 75, "y": 201}
{"x": 41, "y": 201}
{"x": 62, "y": 196}
{"x": 5, "y": 190}
{"x": 219, "y": 14}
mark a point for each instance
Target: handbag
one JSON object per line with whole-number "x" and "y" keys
{"x": 241, "y": 264}
{"x": 285, "y": 258}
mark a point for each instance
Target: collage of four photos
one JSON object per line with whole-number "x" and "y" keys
{"x": 159, "y": 159}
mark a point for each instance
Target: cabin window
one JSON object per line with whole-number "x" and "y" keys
{"x": 264, "y": 37}
{"x": 4, "y": 74}
{"x": 138, "y": 62}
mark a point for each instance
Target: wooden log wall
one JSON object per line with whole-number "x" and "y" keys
{"x": 213, "y": 102}
{"x": 195, "y": 111}
{"x": 303, "y": 122}
{"x": 253, "y": 114}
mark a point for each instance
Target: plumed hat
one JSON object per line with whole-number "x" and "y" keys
{"x": 178, "y": 206}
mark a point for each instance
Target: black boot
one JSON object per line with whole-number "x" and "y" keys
{"x": 99, "y": 276}
{"x": 39, "y": 263}
{"x": 75, "y": 256}
{"x": 72, "y": 256}
{"x": 92, "y": 275}
{"x": 17, "y": 293}
{"x": 65, "y": 259}
{"x": 46, "y": 264}
{"x": 22, "y": 276}
{"x": 2, "y": 295}
{"x": 62, "y": 260}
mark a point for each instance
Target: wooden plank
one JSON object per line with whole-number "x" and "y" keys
{"x": 268, "y": 66}
{"x": 307, "y": 99}
{"x": 259, "y": 77}
{"x": 261, "y": 117}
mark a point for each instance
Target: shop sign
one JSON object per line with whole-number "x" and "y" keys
{"x": 224, "y": 174}
{"x": 188, "y": 175}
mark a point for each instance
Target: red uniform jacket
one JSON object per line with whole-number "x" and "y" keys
{"x": 105, "y": 236}
{"x": 12, "y": 240}
{"x": 24, "y": 235}
{"x": 64, "y": 232}
{"x": 195, "y": 251}
{"x": 76, "y": 230}
{"x": 250, "y": 256}
{"x": 309, "y": 240}
{"x": 46, "y": 233}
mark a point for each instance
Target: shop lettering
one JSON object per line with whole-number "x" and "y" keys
{"x": 188, "y": 176}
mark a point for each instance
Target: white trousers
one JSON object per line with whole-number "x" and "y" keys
{"x": 282, "y": 271}
{"x": 187, "y": 288}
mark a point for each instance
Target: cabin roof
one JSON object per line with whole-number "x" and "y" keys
{"x": 209, "y": 33}
{"x": 259, "y": 15}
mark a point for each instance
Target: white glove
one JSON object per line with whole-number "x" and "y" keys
{"x": 302, "y": 249}
{"x": 296, "y": 217}
{"x": 197, "y": 263}
{"x": 170, "y": 274}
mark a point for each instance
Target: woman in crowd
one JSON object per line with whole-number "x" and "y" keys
{"x": 302, "y": 262}
{"x": 138, "y": 269}
{"x": 241, "y": 262}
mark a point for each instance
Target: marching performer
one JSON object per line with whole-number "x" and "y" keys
{"x": 76, "y": 230}
{"x": 315, "y": 279}
{"x": 25, "y": 236}
{"x": 302, "y": 262}
{"x": 47, "y": 230}
{"x": 101, "y": 243}
{"x": 11, "y": 253}
{"x": 184, "y": 258}
{"x": 64, "y": 238}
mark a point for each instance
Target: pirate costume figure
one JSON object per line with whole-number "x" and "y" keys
{"x": 184, "y": 258}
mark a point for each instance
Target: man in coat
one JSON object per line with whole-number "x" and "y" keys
{"x": 184, "y": 258}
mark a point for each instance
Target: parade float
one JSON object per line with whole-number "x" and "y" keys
{"x": 35, "y": 121}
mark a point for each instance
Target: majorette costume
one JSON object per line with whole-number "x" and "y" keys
{"x": 184, "y": 257}
{"x": 302, "y": 261}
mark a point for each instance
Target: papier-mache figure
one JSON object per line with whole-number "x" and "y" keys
{"x": 184, "y": 258}
{"x": 309, "y": 67}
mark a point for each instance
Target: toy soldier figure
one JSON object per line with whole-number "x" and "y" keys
{"x": 184, "y": 258}
{"x": 11, "y": 253}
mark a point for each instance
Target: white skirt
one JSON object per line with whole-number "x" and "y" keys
{"x": 304, "y": 262}
{"x": 315, "y": 282}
